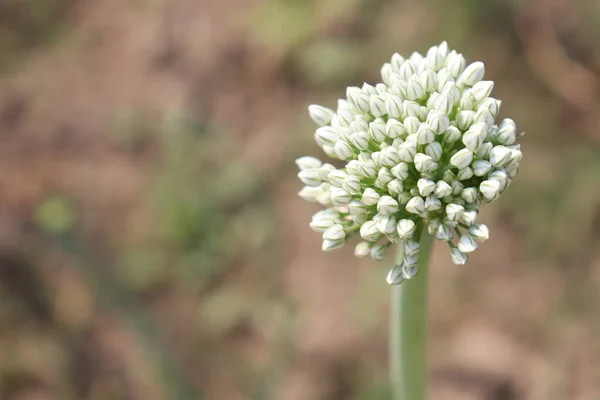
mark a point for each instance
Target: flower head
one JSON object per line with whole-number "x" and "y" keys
{"x": 422, "y": 153}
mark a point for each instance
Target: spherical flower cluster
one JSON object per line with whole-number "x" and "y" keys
{"x": 422, "y": 153}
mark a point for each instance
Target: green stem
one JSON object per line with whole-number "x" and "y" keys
{"x": 408, "y": 329}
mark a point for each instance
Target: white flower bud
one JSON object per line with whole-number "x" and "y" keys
{"x": 389, "y": 157}
{"x": 387, "y": 205}
{"x": 472, "y": 74}
{"x": 345, "y": 115}
{"x": 411, "y": 248}
{"x": 466, "y": 244}
{"x": 387, "y": 224}
{"x": 310, "y": 194}
{"x": 360, "y": 140}
{"x": 359, "y": 125}
{"x": 381, "y": 88}
{"x": 479, "y": 232}
{"x": 457, "y": 187}
{"x": 353, "y": 167}
{"x": 474, "y": 137}
{"x": 456, "y": 65}
{"x": 425, "y": 134}
{"x": 334, "y": 233}
{"x": 395, "y": 187}
{"x": 384, "y": 176}
{"x": 400, "y": 171}
{"x": 325, "y": 170}
{"x": 351, "y": 184}
{"x": 323, "y": 220}
{"x": 326, "y": 135}
{"x": 397, "y": 61}
{"x": 432, "y": 225}
{"x": 360, "y": 219}
{"x": 386, "y": 73}
{"x": 410, "y": 268}
{"x": 416, "y": 205}
{"x": 454, "y": 212}
{"x": 492, "y": 105}
{"x": 395, "y": 276}
{"x": 435, "y": 58}
{"x": 393, "y": 106}
{"x": 464, "y": 174}
{"x": 343, "y": 150}
{"x": 368, "y": 169}
{"x": 484, "y": 150}
{"x": 329, "y": 150}
{"x": 468, "y": 217}
{"x": 444, "y": 104}
{"x": 368, "y": 89}
{"x": 515, "y": 157}
{"x": 452, "y": 134}
{"x": 362, "y": 249}
{"x": 424, "y": 163}
{"x": 431, "y": 100}
{"x": 443, "y": 233}
{"x": 407, "y": 151}
{"x": 501, "y": 177}
{"x": 330, "y": 245}
{"x": 339, "y": 197}
{"x": 464, "y": 119}
{"x": 434, "y": 150}
{"x": 320, "y": 115}
{"x": 377, "y": 105}
{"x": 458, "y": 257}
{"x": 410, "y": 109}
{"x": 412, "y": 124}
{"x": 481, "y": 167}
{"x": 406, "y": 228}
{"x": 426, "y": 187}
{"x": 361, "y": 101}
{"x": 489, "y": 189}
{"x": 369, "y": 232}
{"x": 394, "y": 129}
{"x": 467, "y": 101}
{"x": 485, "y": 116}
{"x": 432, "y": 203}
{"x": 414, "y": 90}
{"x": 442, "y": 189}
{"x": 507, "y": 132}
{"x": 308, "y": 163}
{"x": 357, "y": 208}
{"x": 451, "y": 90}
{"x": 499, "y": 156}
{"x": 310, "y": 177}
{"x": 370, "y": 197}
{"x": 377, "y": 130}
{"x": 325, "y": 196}
{"x": 469, "y": 195}
{"x": 407, "y": 69}
{"x": 378, "y": 252}
{"x": 482, "y": 89}
{"x": 462, "y": 158}
{"x": 336, "y": 178}
{"x": 437, "y": 121}
{"x": 428, "y": 80}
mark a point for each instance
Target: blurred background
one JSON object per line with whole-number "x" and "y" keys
{"x": 152, "y": 244}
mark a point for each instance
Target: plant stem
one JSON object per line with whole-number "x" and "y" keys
{"x": 408, "y": 328}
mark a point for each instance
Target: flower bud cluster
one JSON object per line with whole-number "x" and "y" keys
{"x": 422, "y": 153}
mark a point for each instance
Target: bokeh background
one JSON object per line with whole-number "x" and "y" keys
{"x": 152, "y": 245}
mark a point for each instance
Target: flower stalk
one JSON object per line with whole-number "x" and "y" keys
{"x": 408, "y": 329}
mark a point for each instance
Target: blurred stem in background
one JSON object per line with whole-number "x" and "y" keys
{"x": 408, "y": 328}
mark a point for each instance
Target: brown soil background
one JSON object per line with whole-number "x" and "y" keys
{"x": 152, "y": 245}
